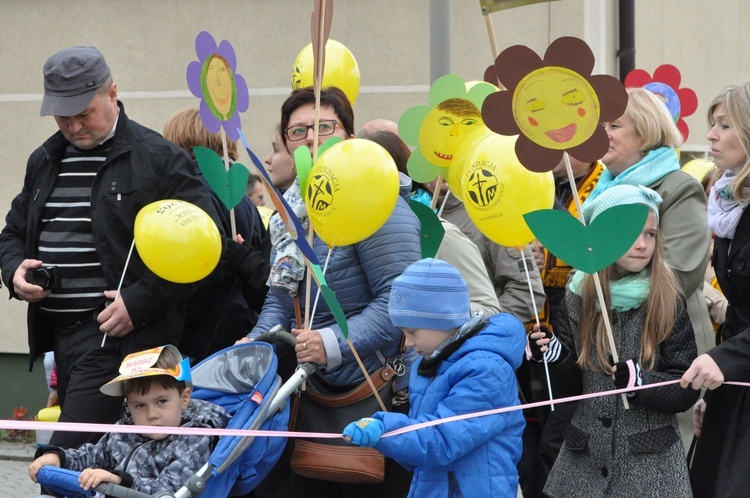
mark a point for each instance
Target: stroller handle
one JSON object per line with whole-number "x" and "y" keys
{"x": 278, "y": 335}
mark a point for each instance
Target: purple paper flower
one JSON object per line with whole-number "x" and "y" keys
{"x": 222, "y": 91}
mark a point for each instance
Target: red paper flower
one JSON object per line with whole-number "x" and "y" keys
{"x": 681, "y": 102}
{"x": 554, "y": 104}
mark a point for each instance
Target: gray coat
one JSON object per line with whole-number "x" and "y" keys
{"x": 610, "y": 451}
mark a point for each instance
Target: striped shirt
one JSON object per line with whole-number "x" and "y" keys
{"x": 67, "y": 240}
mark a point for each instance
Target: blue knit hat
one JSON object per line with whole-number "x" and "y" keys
{"x": 430, "y": 294}
{"x": 620, "y": 195}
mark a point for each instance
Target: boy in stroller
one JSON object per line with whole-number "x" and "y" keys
{"x": 157, "y": 387}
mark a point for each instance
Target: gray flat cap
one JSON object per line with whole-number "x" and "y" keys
{"x": 71, "y": 77}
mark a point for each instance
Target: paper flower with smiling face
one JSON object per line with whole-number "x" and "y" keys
{"x": 554, "y": 104}
{"x": 213, "y": 78}
{"x": 681, "y": 102}
{"x": 438, "y": 129}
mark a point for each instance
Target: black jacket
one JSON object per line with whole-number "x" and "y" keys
{"x": 142, "y": 167}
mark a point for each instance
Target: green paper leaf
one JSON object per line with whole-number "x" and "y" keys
{"x": 329, "y": 296}
{"x": 479, "y": 92}
{"x": 446, "y": 87}
{"x": 410, "y": 123}
{"x": 589, "y": 248}
{"x": 421, "y": 170}
{"x": 431, "y": 232}
{"x": 229, "y": 185}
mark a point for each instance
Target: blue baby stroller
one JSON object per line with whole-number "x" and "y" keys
{"x": 243, "y": 380}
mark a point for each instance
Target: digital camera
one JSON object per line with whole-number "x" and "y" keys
{"x": 46, "y": 277}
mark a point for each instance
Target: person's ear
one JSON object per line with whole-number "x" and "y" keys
{"x": 112, "y": 92}
{"x": 186, "y": 397}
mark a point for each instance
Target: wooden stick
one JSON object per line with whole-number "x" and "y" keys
{"x": 226, "y": 167}
{"x": 493, "y": 44}
{"x": 367, "y": 376}
{"x": 597, "y": 282}
{"x": 436, "y": 191}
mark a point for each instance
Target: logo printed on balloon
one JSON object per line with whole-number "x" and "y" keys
{"x": 482, "y": 187}
{"x": 320, "y": 193}
{"x": 497, "y": 191}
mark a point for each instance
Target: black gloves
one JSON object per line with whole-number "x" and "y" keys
{"x": 534, "y": 350}
{"x": 627, "y": 374}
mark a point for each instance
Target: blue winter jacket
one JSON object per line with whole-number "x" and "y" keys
{"x": 361, "y": 275}
{"x": 472, "y": 457}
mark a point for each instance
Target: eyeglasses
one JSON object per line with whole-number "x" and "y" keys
{"x": 325, "y": 127}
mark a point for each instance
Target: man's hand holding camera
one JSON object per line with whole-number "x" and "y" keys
{"x": 25, "y": 290}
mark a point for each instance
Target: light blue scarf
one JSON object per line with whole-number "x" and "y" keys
{"x": 626, "y": 293}
{"x": 654, "y": 166}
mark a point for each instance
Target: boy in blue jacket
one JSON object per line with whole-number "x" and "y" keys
{"x": 468, "y": 365}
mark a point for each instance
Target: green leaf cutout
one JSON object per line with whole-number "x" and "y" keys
{"x": 303, "y": 161}
{"x": 431, "y": 231}
{"x": 329, "y": 296}
{"x": 229, "y": 185}
{"x": 588, "y": 248}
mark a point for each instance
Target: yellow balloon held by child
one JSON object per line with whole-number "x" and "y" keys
{"x": 351, "y": 191}
{"x": 341, "y": 69}
{"x": 177, "y": 240}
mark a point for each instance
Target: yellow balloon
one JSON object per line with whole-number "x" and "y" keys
{"x": 177, "y": 240}
{"x": 341, "y": 69}
{"x": 498, "y": 190}
{"x": 351, "y": 191}
{"x": 699, "y": 168}
{"x": 461, "y": 158}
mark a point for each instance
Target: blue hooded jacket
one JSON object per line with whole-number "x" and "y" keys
{"x": 472, "y": 457}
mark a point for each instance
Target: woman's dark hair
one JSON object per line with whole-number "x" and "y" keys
{"x": 329, "y": 97}
{"x": 398, "y": 150}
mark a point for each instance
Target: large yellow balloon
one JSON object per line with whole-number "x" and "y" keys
{"x": 498, "y": 190}
{"x": 177, "y": 240}
{"x": 341, "y": 69}
{"x": 351, "y": 191}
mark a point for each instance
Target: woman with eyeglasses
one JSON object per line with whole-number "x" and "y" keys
{"x": 360, "y": 274}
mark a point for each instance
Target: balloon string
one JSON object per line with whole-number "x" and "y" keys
{"x": 442, "y": 204}
{"x": 317, "y": 294}
{"x": 119, "y": 286}
{"x": 536, "y": 317}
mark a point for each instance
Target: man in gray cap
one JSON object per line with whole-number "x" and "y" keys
{"x": 69, "y": 232}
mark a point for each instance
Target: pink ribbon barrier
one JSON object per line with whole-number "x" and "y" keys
{"x": 27, "y": 425}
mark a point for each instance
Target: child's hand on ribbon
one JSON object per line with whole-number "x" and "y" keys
{"x": 627, "y": 374}
{"x": 364, "y": 432}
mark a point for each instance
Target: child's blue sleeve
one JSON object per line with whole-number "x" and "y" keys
{"x": 483, "y": 385}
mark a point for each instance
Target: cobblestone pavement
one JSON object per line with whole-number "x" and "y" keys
{"x": 14, "y": 480}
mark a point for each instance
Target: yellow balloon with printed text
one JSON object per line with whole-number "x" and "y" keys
{"x": 351, "y": 191}
{"x": 497, "y": 190}
{"x": 177, "y": 240}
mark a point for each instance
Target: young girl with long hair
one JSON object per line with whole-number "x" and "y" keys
{"x": 610, "y": 450}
